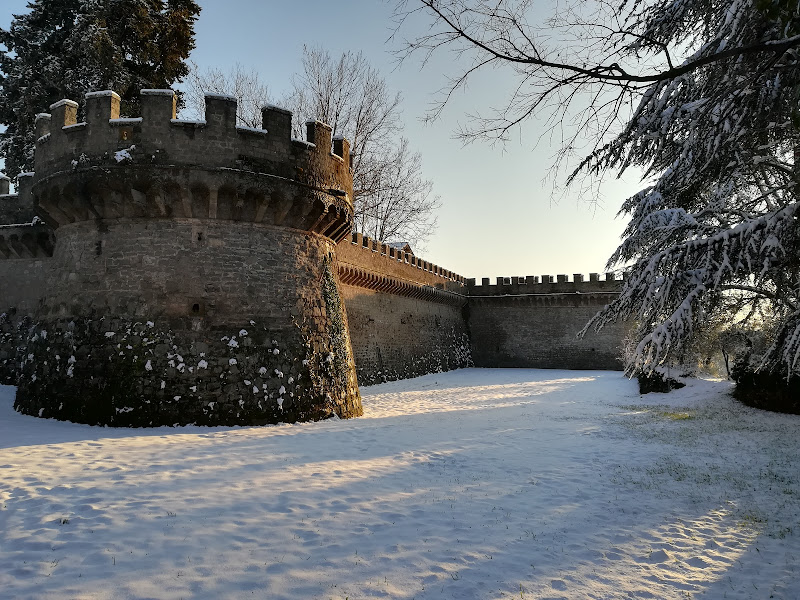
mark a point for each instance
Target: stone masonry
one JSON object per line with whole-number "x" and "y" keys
{"x": 194, "y": 276}
{"x": 156, "y": 271}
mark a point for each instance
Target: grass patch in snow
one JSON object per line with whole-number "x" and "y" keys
{"x": 659, "y": 412}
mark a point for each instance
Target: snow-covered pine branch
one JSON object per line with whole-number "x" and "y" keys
{"x": 703, "y": 97}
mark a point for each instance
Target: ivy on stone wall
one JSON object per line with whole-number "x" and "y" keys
{"x": 13, "y": 329}
{"x": 339, "y": 358}
{"x": 330, "y": 364}
{"x": 452, "y": 351}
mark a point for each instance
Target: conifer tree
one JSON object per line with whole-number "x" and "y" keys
{"x": 715, "y": 234}
{"x": 65, "y": 48}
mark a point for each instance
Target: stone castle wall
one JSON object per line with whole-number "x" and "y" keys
{"x": 198, "y": 272}
{"x": 25, "y": 271}
{"x": 528, "y": 323}
{"x": 202, "y": 271}
{"x": 405, "y": 314}
{"x": 25, "y": 265}
{"x": 194, "y": 274}
{"x": 224, "y": 300}
{"x": 16, "y": 209}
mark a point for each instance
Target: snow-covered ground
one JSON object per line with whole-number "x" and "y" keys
{"x": 471, "y": 484}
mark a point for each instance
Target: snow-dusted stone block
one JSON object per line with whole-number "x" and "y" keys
{"x": 64, "y": 113}
{"x": 102, "y": 106}
{"x": 158, "y": 107}
{"x": 220, "y": 113}
{"x": 319, "y": 134}
{"x": 278, "y": 121}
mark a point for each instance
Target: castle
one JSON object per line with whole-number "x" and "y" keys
{"x": 158, "y": 271}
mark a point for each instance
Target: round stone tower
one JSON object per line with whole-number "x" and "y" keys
{"x": 195, "y": 268}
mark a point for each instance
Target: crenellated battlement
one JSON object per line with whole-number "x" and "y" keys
{"x": 364, "y": 252}
{"x": 22, "y": 234}
{"x": 544, "y": 284}
{"x": 371, "y": 257}
{"x": 158, "y": 166}
{"x": 16, "y": 208}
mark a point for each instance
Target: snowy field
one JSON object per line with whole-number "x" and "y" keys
{"x": 474, "y": 484}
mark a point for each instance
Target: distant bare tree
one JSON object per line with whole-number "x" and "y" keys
{"x": 392, "y": 198}
{"x": 400, "y": 206}
{"x": 246, "y": 86}
{"x": 349, "y": 95}
{"x": 393, "y": 201}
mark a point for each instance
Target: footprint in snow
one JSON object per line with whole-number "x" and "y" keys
{"x": 659, "y": 556}
{"x": 697, "y": 563}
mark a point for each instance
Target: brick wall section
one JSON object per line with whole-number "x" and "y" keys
{"x": 396, "y": 337}
{"x": 22, "y": 283}
{"x": 163, "y": 268}
{"x": 405, "y": 313}
{"x": 25, "y": 266}
{"x": 541, "y": 332}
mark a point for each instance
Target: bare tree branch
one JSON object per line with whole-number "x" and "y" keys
{"x": 393, "y": 200}
{"x": 246, "y": 86}
{"x": 702, "y": 96}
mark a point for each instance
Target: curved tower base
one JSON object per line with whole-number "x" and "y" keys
{"x": 217, "y": 331}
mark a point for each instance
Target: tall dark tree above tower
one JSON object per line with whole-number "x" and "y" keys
{"x": 702, "y": 96}
{"x": 65, "y": 48}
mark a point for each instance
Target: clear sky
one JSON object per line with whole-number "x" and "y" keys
{"x": 497, "y": 216}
